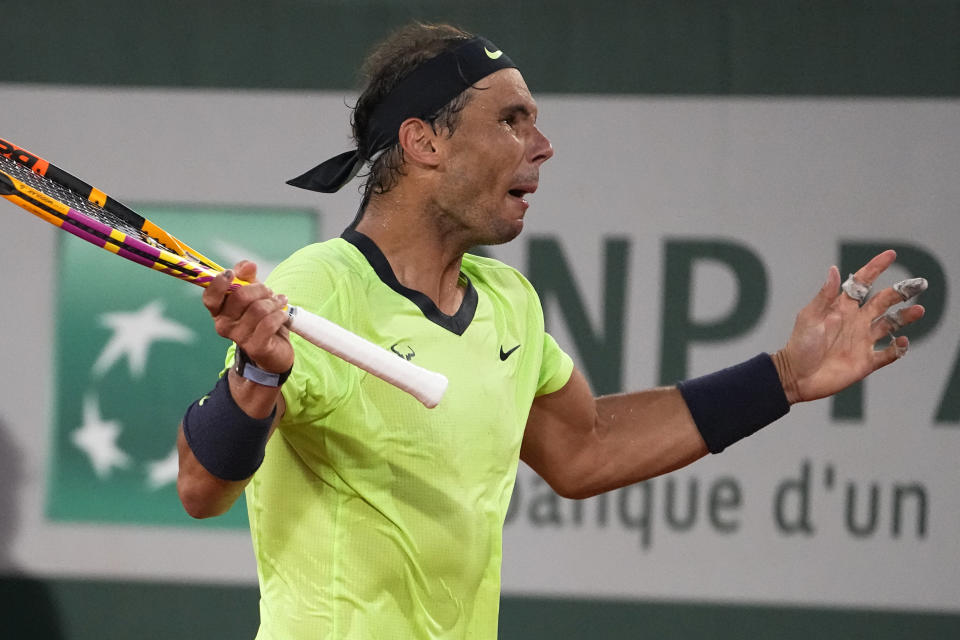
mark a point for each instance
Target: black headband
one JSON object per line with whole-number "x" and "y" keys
{"x": 423, "y": 92}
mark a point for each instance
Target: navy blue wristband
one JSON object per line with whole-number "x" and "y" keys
{"x": 224, "y": 439}
{"x": 735, "y": 402}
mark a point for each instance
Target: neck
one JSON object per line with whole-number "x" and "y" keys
{"x": 422, "y": 256}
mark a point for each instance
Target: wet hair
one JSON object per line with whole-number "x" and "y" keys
{"x": 389, "y": 63}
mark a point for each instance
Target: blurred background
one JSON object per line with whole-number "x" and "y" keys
{"x": 713, "y": 159}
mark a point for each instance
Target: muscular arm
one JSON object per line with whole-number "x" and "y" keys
{"x": 202, "y": 494}
{"x": 254, "y": 319}
{"x": 583, "y": 446}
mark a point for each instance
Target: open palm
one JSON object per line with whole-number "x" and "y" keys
{"x": 832, "y": 344}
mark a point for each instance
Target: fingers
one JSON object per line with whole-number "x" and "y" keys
{"x": 879, "y": 303}
{"x": 241, "y": 311}
{"x": 259, "y": 328}
{"x": 238, "y": 311}
{"x": 857, "y": 286}
{"x": 248, "y": 313}
{"x": 216, "y": 292}
{"x": 891, "y": 321}
{"x": 246, "y": 270}
{"x": 911, "y": 287}
{"x": 264, "y": 319}
{"x": 895, "y": 350}
{"x": 887, "y": 318}
{"x": 868, "y": 273}
{"x": 828, "y": 292}
{"x": 895, "y": 319}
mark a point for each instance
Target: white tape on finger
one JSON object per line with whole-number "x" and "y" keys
{"x": 855, "y": 289}
{"x": 910, "y": 288}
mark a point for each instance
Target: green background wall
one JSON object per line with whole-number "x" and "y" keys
{"x": 785, "y": 47}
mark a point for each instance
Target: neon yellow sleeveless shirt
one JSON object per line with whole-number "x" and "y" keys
{"x": 372, "y": 516}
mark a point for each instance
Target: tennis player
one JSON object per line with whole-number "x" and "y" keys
{"x": 374, "y": 517}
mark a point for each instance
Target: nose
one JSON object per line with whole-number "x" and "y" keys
{"x": 540, "y": 148}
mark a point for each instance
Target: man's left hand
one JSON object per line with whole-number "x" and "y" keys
{"x": 832, "y": 344}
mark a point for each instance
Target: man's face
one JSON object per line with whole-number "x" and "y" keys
{"x": 492, "y": 160}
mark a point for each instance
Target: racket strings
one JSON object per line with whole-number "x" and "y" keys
{"x": 76, "y": 201}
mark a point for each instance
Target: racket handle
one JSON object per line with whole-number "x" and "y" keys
{"x": 426, "y": 386}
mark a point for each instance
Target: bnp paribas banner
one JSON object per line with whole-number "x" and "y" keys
{"x": 669, "y": 237}
{"x": 133, "y": 349}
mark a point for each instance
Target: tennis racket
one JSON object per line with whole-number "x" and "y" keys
{"x": 69, "y": 203}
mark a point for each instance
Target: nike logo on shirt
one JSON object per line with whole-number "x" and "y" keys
{"x": 506, "y": 354}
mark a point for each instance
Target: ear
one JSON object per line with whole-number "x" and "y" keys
{"x": 417, "y": 139}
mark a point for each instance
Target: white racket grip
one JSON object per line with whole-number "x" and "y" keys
{"x": 426, "y": 386}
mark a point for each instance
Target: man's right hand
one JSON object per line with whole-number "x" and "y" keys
{"x": 252, "y": 316}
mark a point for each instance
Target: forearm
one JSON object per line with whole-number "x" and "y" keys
{"x": 231, "y": 441}
{"x": 584, "y": 446}
{"x": 256, "y": 400}
{"x": 640, "y": 435}
{"x": 202, "y": 494}
{"x": 223, "y": 435}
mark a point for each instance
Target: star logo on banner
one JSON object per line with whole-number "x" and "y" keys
{"x": 97, "y": 438}
{"x": 160, "y": 473}
{"x": 137, "y": 350}
{"x": 133, "y": 333}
